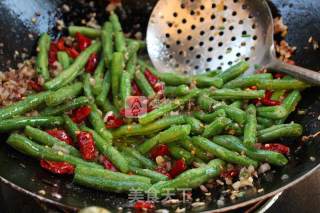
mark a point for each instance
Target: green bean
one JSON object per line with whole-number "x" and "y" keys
{"x": 64, "y": 59}
{"x": 71, "y": 127}
{"x": 146, "y": 162}
{"x": 143, "y": 84}
{"x": 107, "y": 42}
{"x": 30, "y": 148}
{"x": 138, "y": 129}
{"x": 71, "y": 73}
{"x": 290, "y": 103}
{"x": 87, "y": 88}
{"x": 205, "y": 81}
{"x": 48, "y": 140}
{"x": 131, "y": 66}
{"x": 86, "y": 31}
{"x": 42, "y": 58}
{"x": 234, "y": 129}
{"x": 98, "y": 78}
{"x": 237, "y": 104}
{"x": 272, "y": 112}
{"x": 114, "y": 19}
{"x": 109, "y": 185}
{"x": 208, "y": 118}
{"x": 212, "y": 73}
{"x": 120, "y": 42}
{"x": 180, "y": 153}
{"x": 21, "y": 122}
{"x": 278, "y": 94}
{"x": 154, "y": 176}
{"x": 133, "y": 162}
{"x": 105, "y": 147}
{"x": 234, "y": 94}
{"x": 125, "y": 87}
{"x": 181, "y": 90}
{"x": 266, "y": 122}
{"x": 234, "y": 71}
{"x": 72, "y": 104}
{"x": 172, "y": 134}
{"x": 25, "y": 105}
{"x": 110, "y": 175}
{"x": 223, "y": 153}
{"x": 103, "y": 96}
{"x": 133, "y": 48}
{"x": 196, "y": 126}
{"x": 173, "y": 79}
{"x": 191, "y": 178}
{"x": 280, "y": 84}
{"x": 247, "y": 81}
{"x": 234, "y": 144}
{"x": 98, "y": 124}
{"x": 107, "y": 106}
{"x": 234, "y": 113}
{"x": 250, "y": 128}
{"x": 196, "y": 151}
{"x": 208, "y": 104}
{"x": 63, "y": 94}
{"x": 116, "y": 72}
{"x": 167, "y": 107}
{"x": 278, "y": 131}
{"x": 216, "y": 127}
{"x": 142, "y": 43}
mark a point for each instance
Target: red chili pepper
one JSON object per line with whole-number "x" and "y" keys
{"x": 60, "y": 44}
{"x": 108, "y": 165}
{"x": 92, "y": 63}
{"x": 83, "y": 41}
{"x": 35, "y": 86}
{"x": 230, "y": 173}
{"x": 60, "y": 168}
{"x": 178, "y": 167}
{"x": 253, "y": 88}
{"x": 113, "y": 122}
{"x": 292, "y": 62}
{"x": 278, "y": 75}
{"x": 80, "y": 114}
{"x": 144, "y": 205}
{"x": 276, "y": 147}
{"x": 72, "y": 52}
{"x": 163, "y": 171}
{"x": 135, "y": 91}
{"x": 159, "y": 88}
{"x": 267, "y": 99}
{"x": 86, "y": 145}
{"x": 160, "y": 150}
{"x": 61, "y": 135}
{"x": 52, "y": 55}
{"x": 151, "y": 78}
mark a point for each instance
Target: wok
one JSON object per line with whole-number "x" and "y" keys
{"x": 24, "y": 174}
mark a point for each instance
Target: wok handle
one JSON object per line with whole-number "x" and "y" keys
{"x": 301, "y": 73}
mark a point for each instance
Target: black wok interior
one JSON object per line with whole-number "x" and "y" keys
{"x": 24, "y": 173}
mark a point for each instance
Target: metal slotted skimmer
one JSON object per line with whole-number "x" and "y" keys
{"x": 196, "y": 36}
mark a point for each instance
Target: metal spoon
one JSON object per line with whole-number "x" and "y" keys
{"x": 195, "y": 36}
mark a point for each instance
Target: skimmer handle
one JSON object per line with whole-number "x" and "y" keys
{"x": 301, "y": 73}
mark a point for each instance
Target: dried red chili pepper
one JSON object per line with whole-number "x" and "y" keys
{"x": 276, "y": 147}
{"x": 159, "y": 88}
{"x": 61, "y": 135}
{"x": 113, "y": 122}
{"x": 267, "y": 101}
{"x": 163, "y": 171}
{"x": 86, "y": 145}
{"x": 60, "y": 168}
{"x": 60, "y": 44}
{"x": 135, "y": 91}
{"x": 35, "y": 86}
{"x": 52, "y": 55}
{"x": 82, "y": 41}
{"x": 160, "y": 150}
{"x": 72, "y": 52}
{"x": 151, "y": 78}
{"x": 80, "y": 114}
{"x": 178, "y": 167}
{"x": 108, "y": 164}
{"x": 278, "y": 75}
{"x": 92, "y": 63}
{"x": 230, "y": 173}
{"x": 144, "y": 205}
